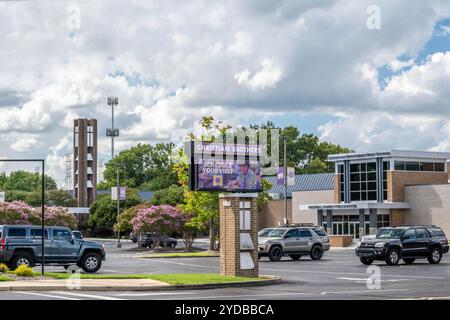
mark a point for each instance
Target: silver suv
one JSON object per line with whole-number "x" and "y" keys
{"x": 294, "y": 242}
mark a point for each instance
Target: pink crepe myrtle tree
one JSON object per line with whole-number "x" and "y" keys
{"x": 18, "y": 212}
{"x": 164, "y": 219}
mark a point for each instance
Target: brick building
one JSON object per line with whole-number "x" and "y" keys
{"x": 373, "y": 190}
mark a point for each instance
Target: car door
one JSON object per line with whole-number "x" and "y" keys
{"x": 304, "y": 240}
{"x": 36, "y": 240}
{"x": 409, "y": 242}
{"x": 64, "y": 245}
{"x": 423, "y": 242}
{"x": 290, "y": 240}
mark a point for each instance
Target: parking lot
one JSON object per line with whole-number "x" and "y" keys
{"x": 339, "y": 275}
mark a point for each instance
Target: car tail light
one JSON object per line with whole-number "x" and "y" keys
{"x": 2, "y": 243}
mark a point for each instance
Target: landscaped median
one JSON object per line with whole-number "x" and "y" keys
{"x": 126, "y": 282}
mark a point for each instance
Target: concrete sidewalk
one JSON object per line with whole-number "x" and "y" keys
{"x": 121, "y": 285}
{"x": 83, "y": 284}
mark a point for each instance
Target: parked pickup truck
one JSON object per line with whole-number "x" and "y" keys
{"x": 22, "y": 245}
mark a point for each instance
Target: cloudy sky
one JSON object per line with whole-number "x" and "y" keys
{"x": 326, "y": 66}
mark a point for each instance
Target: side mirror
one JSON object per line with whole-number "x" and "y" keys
{"x": 72, "y": 239}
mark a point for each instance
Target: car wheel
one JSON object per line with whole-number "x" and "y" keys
{"x": 134, "y": 240}
{"x": 409, "y": 260}
{"x": 435, "y": 256}
{"x": 295, "y": 257}
{"x": 392, "y": 257}
{"x": 23, "y": 258}
{"x": 316, "y": 253}
{"x": 91, "y": 262}
{"x": 172, "y": 245}
{"x": 275, "y": 253}
{"x": 151, "y": 245}
{"x": 366, "y": 261}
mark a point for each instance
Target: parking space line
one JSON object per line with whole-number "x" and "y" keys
{"x": 45, "y": 295}
{"x": 151, "y": 294}
{"x": 354, "y": 273}
{"x": 362, "y": 291}
{"x": 83, "y": 295}
{"x": 244, "y": 296}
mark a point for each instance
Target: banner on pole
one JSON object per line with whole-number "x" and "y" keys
{"x": 122, "y": 193}
{"x": 2, "y": 197}
{"x": 290, "y": 176}
{"x": 280, "y": 176}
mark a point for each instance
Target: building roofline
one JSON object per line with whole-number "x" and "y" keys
{"x": 389, "y": 154}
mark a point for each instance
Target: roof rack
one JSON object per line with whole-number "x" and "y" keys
{"x": 296, "y": 225}
{"x": 417, "y": 225}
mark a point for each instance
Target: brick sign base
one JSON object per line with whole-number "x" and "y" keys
{"x": 239, "y": 223}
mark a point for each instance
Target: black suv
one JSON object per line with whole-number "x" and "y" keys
{"x": 406, "y": 242}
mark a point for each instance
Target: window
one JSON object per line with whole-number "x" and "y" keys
{"x": 90, "y": 136}
{"x": 363, "y": 181}
{"x": 386, "y": 168}
{"x": 61, "y": 234}
{"x": 341, "y": 181}
{"x": 305, "y": 234}
{"x": 410, "y": 234}
{"x": 437, "y": 232}
{"x": 422, "y": 234}
{"x": 76, "y": 136}
{"x": 419, "y": 166}
{"x": 17, "y": 232}
{"x": 291, "y": 233}
{"x": 383, "y": 220}
{"x": 320, "y": 232}
{"x": 37, "y": 233}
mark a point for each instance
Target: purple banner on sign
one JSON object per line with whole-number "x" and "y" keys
{"x": 280, "y": 176}
{"x": 122, "y": 193}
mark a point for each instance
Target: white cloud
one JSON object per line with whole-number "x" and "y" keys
{"x": 267, "y": 77}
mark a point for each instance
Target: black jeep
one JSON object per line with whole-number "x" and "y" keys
{"x": 405, "y": 242}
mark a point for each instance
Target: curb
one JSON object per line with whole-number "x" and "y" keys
{"x": 168, "y": 287}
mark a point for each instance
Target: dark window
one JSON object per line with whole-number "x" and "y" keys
{"x": 412, "y": 166}
{"x": 305, "y": 234}
{"x": 291, "y": 233}
{"x": 356, "y": 167}
{"x": 427, "y": 166}
{"x": 17, "y": 232}
{"x": 37, "y": 233}
{"x": 399, "y": 165}
{"x": 439, "y": 167}
{"x": 61, "y": 234}
{"x": 340, "y": 168}
{"x": 356, "y": 196}
{"x": 437, "y": 232}
{"x": 371, "y": 166}
{"x": 410, "y": 234}
{"x": 386, "y": 165}
{"x": 422, "y": 234}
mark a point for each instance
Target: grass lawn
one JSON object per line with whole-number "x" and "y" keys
{"x": 5, "y": 278}
{"x": 182, "y": 278}
{"x": 182, "y": 254}
{"x": 198, "y": 278}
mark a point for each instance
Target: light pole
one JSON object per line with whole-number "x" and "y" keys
{"x": 285, "y": 182}
{"x": 114, "y": 132}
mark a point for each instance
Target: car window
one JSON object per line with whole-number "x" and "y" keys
{"x": 61, "y": 234}
{"x": 422, "y": 234}
{"x": 37, "y": 233}
{"x": 437, "y": 232}
{"x": 276, "y": 233}
{"x": 264, "y": 232}
{"x": 305, "y": 234}
{"x": 320, "y": 232}
{"x": 410, "y": 234}
{"x": 17, "y": 232}
{"x": 291, "y": 233}
{"x": 390, "y": 234}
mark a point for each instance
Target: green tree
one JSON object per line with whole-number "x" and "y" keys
{"x": 143, "y": 166}
{"x": 27, "y": 181}
{"x": 103, "y": 212}
{"x": 171, "y": 196}
{"x": 305, "y": 152}
{"x": 53, "y": 198}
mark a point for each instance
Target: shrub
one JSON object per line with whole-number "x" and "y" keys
{"x": 3, "y": 268}
{"x": 164, "y": 219}
{"x": 24, "y": 271}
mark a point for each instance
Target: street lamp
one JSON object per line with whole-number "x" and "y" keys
{"x": 114, "y": 132}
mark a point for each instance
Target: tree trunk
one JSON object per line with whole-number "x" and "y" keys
{"x": 212, "y": 236}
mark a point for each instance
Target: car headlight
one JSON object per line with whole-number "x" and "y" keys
{"x": 380, "y": 245}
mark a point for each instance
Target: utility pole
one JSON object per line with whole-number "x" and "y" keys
{"x": 285, "y": 182}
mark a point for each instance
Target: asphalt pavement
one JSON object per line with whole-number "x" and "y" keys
{"x": 339, "y": 275}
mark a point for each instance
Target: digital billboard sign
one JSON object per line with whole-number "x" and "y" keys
{"x": 228, "y": 175}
